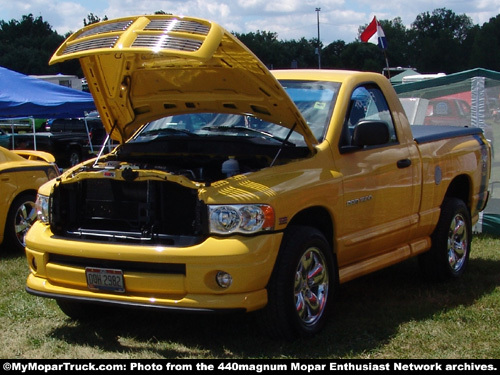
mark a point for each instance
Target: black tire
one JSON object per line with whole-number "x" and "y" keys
{"x": 73, "y": 309}
{"x": 74, "y": 157}
{"x": 21, "y": 216}
{"x": 84, "y": 311}
{"x": 451, "y": 243}
{"x": 298, "y": 304}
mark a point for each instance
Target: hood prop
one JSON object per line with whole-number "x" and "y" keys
{"x": 283, "y": 143}
{"x": 101, "y": 151}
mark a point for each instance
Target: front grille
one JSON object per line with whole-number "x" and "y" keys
{"x": 145, "y": 212}
{"x": 125, "y": 266}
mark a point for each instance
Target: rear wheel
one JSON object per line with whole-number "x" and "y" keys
{"x": 21, "y": 216}
{"x": 300, "y": 290}
{"x": 451, "y": 243}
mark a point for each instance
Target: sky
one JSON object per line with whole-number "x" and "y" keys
{"x": 290, "y": 19}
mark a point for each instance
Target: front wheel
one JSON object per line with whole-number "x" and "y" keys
{"x": 74, "y": 157}
{"x": 74, "y": 309}
{"x": 301, "y": 287}
{"x": 84, "y": 311}
{"x": 451, "y": 243}
{"x": 21, "y": 216}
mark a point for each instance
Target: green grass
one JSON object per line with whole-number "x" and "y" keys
{"x": 389, "y": 314}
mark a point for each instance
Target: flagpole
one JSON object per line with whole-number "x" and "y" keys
{"x": 387, "y": 65}
{"x": 319, "y": 45}
{"x": 372, "y": 29}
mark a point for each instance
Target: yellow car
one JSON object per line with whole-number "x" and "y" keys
{"x": 21, "y": 173}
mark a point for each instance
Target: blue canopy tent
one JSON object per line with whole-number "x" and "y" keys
{"x": 24, "y": 96}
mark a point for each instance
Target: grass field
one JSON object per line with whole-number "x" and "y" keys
{"x": 389, "y": 314}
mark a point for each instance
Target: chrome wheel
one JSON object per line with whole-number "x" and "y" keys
{"x": 458, "y": 243}
{"x": 24, "y": 218}
{"x": 450, "y": 243}
{"x": 311, "y": 286}
{"x": 302, "y": 287}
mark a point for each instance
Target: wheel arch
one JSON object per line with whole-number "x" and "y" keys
{"x": 460, "y": 187}
{"x": 319, "y": 218}
{"x": 26, "y": 191}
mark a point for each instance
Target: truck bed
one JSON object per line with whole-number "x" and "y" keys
{"x": 430, "y": 133}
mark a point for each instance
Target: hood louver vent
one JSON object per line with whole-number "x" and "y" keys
{"x": 173, "y": 34}
{"x": 179, "y": 26}
{"x": 166, "y": 42}
{"x": 106, "y": 28}
{"x": 104, "y": 42}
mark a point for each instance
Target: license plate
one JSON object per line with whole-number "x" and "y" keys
{"x": 109, "y": 280}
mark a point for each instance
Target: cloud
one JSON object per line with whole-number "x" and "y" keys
{"x": 293, "y": 19}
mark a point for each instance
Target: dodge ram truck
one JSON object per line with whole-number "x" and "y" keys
{"x": 235, "y": 188}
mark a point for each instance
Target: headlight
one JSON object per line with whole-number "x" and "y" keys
{"x": 42, "y": 208}
{"x": 241, "y": 218}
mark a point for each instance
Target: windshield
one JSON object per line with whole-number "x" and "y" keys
{"x": 314, "y": 99}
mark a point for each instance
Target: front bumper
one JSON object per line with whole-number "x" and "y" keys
{"x": 155, "y": 277}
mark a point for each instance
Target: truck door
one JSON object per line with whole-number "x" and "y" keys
{"x": 378, "y": 180}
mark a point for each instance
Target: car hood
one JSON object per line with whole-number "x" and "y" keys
{"x": 142, "y": 68}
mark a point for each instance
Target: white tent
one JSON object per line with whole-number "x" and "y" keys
{"x": 469, "y": 98}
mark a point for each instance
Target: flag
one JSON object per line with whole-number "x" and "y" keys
{"x": 374, "y": 34}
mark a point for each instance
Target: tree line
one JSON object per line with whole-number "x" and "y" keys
{"x": 437, "y": 41}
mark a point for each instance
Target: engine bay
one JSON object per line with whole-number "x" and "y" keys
{"x": 204, "y": 161}
{"x": 109, "y": 202}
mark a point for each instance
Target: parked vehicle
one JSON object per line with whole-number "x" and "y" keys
{"x": 70, "y": 140}
{"x": 453, "y": 112}
{"x": 21, "y": 174}
{"x": 240, "y": 189}
{"x": 448, "y": 112}
{"x": 4, "y": 139}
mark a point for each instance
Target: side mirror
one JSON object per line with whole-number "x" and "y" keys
{"x": 370, "y": 133}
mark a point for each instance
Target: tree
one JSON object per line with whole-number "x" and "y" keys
{"x": 397, "y": 42}
{"x": 331, "y": 54}
{"x": 302, "y": 53}
{"x": 362, "y": 56}
{"x": 264, "y": 44}
{"x": 92, "y": 18}
{"x": 440, "y": 41}
{"x": 484, "y": 46}
{"x": 27, "y": 45}
{"x": 396, "y": 53}
{"x": 436, "y": 41}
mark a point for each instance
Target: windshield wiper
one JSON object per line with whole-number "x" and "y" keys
{"x": 244, "y": 129}
{"x": 166, "y": 131}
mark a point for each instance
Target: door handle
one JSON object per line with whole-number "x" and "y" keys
{"x": 404, "y": 163}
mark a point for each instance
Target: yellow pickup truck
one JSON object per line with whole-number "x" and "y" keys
{"x": 236, "y": 188}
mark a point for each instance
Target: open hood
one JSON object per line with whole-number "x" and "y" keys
{"x": 146, "y": 67}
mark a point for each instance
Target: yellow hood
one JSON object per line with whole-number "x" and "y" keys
{"x": 146, "y": 67}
